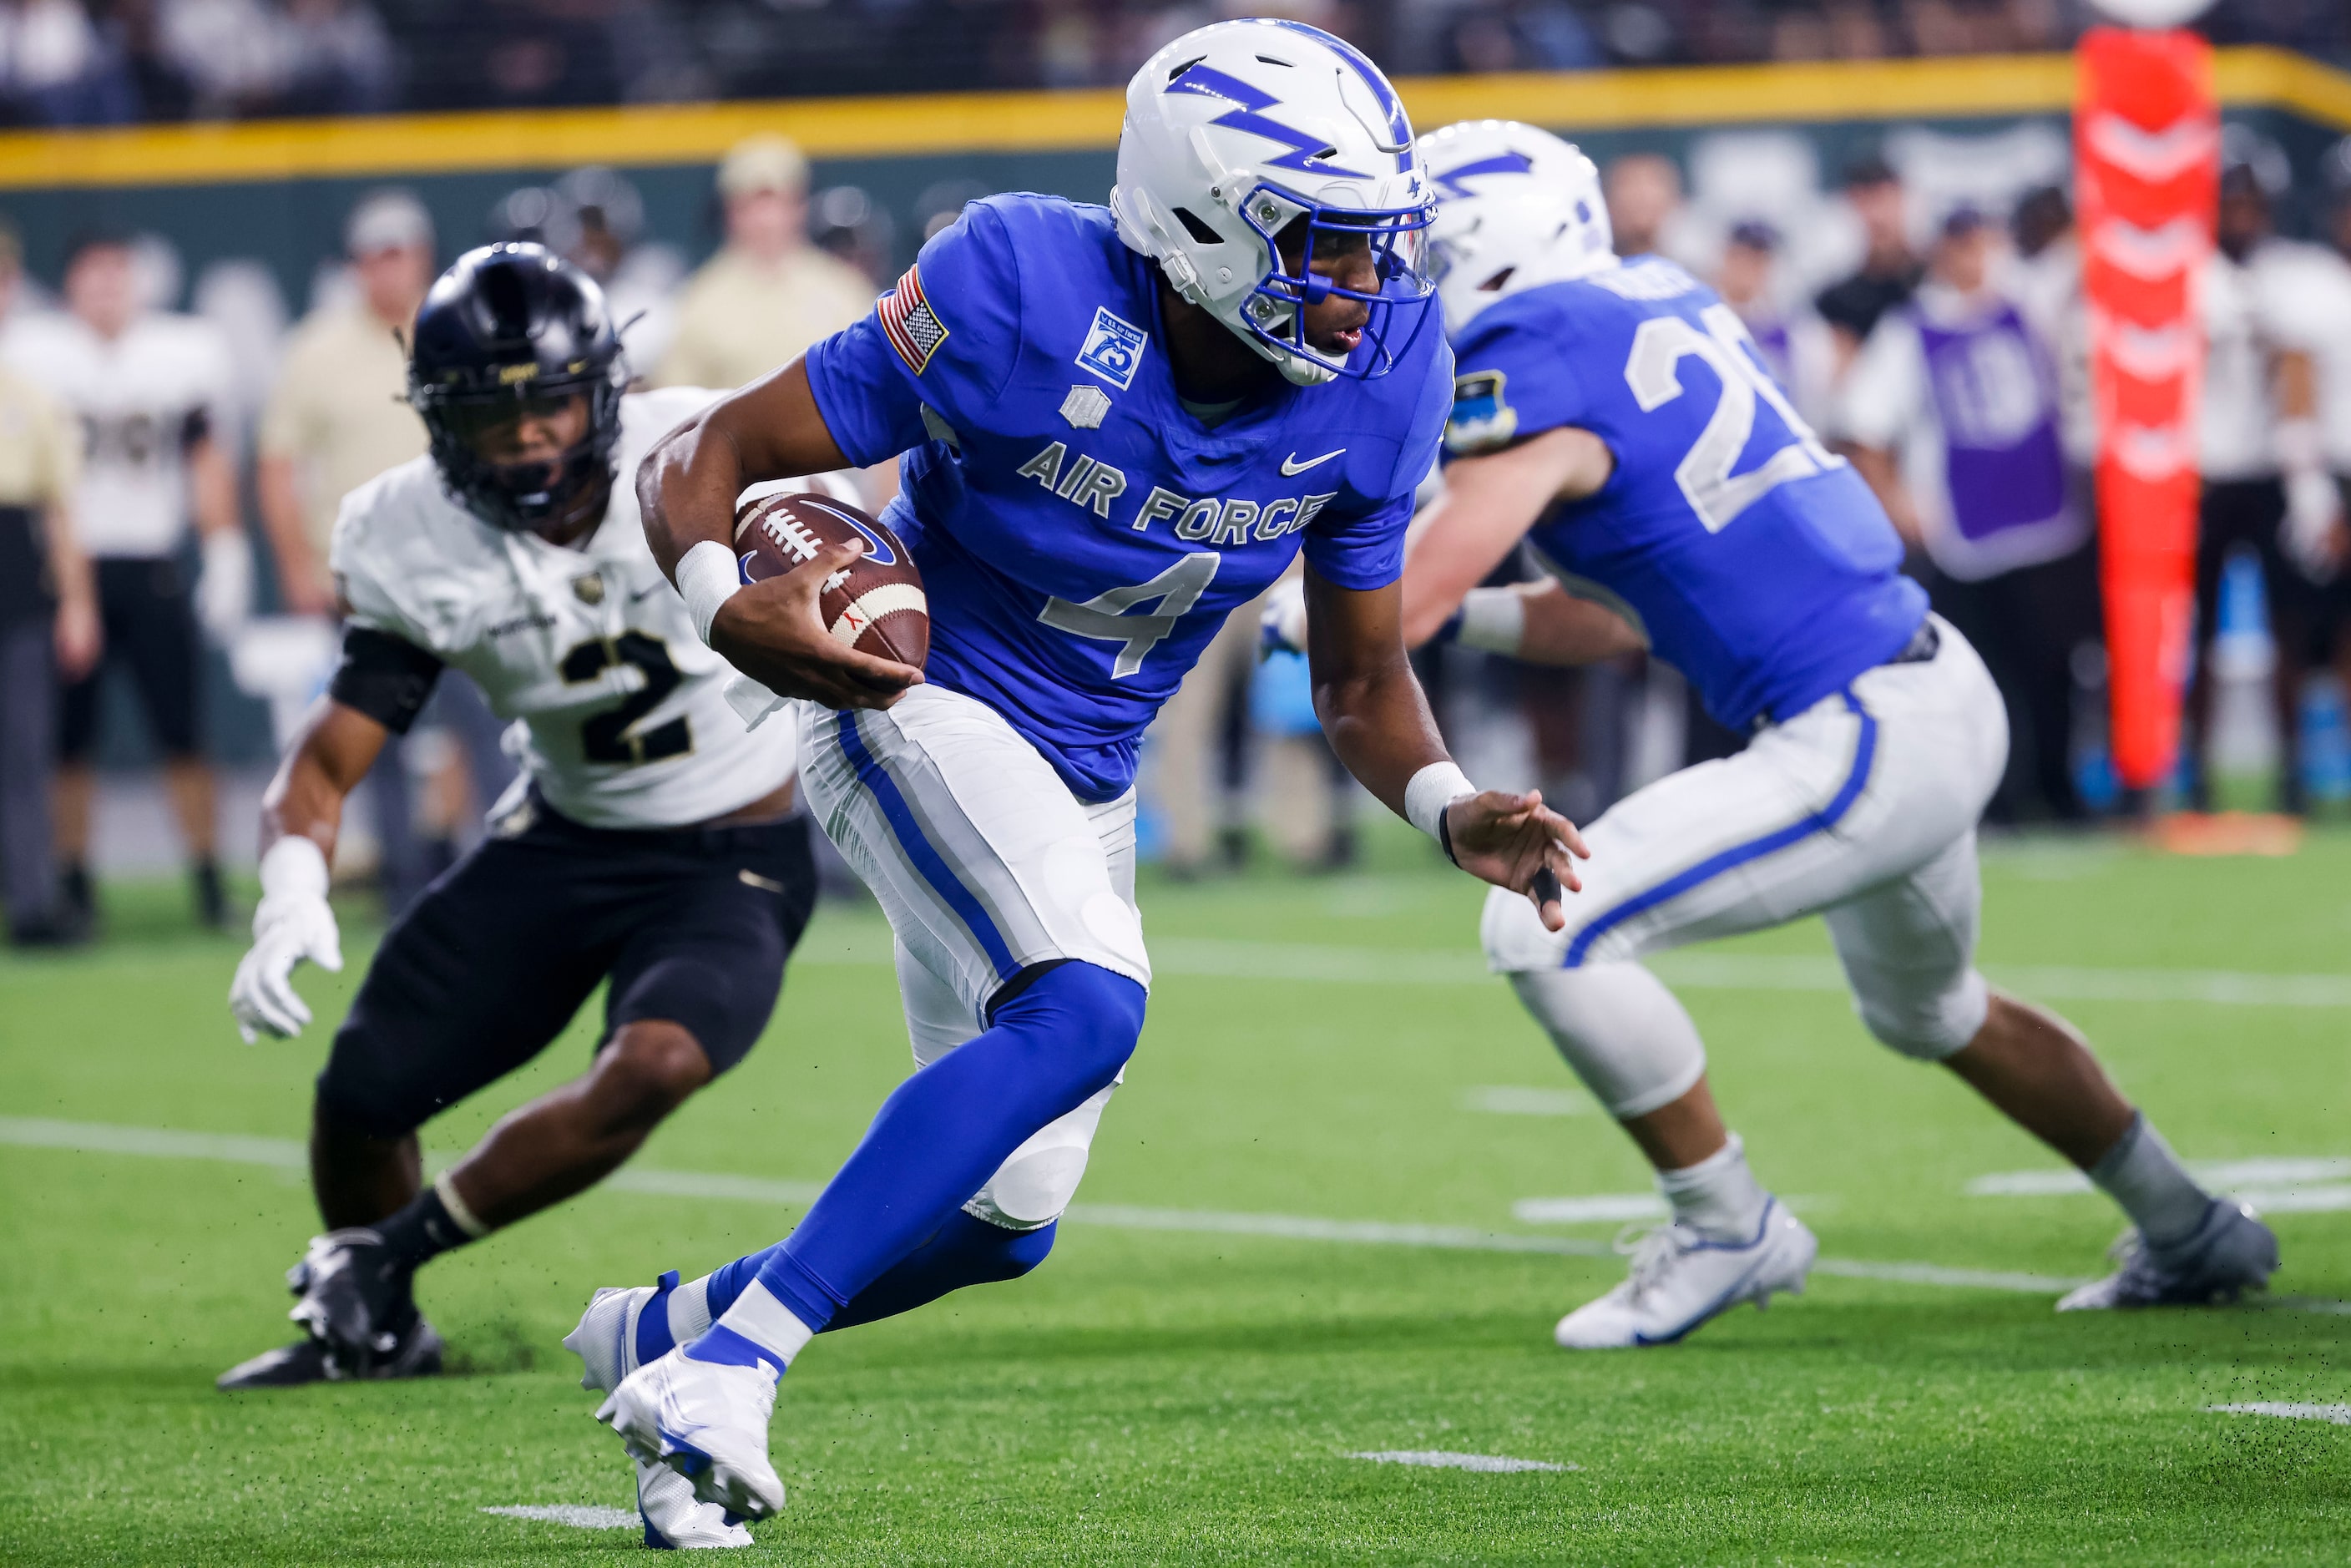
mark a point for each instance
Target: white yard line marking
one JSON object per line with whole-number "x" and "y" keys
{"x": 1597, "y": 1208}
{"x": 1209, "y": 957}
{"x": 98, "y": 1137}
{"x": 1306, "y": 1228}
{"x": 578, "y": 1515}
{"x": 2340, "y": 1414}
{"x": 1950, "y": 1279}
{"x": 1444, "y": 1459}
{"x": 1505, "y": 1099}
{"x": 2272, "y": 1185}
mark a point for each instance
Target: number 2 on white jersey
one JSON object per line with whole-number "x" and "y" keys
{"x": 1105, "y": 618}
{"x": 1653, "y": 371}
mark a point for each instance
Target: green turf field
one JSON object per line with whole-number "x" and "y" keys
{"x": 1297, "y": 1243}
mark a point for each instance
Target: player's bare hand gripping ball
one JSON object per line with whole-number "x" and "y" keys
{"x": 773, "y": 633}
{"x": 292, "y": 922}
{"x": 1516, "y": 842}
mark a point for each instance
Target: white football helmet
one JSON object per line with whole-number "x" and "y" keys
{"x": 1515, "y": 207}
{"x": 1238, "y": 132}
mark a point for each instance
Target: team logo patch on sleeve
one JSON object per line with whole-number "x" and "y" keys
{"x": 912, "y": 328}
{"x": 1114, "y": 348}
{"x": 1481, "y": 419}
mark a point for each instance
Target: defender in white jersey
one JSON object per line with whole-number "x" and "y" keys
{"x": 651, "y": 842}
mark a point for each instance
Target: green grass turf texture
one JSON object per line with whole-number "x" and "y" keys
{"x": 1169, "y": 1397}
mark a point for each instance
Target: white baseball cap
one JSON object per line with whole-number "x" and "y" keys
{"x": 386, "y": 220}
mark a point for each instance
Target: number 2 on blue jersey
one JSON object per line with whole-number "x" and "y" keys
{"x": 1652, "y": 369}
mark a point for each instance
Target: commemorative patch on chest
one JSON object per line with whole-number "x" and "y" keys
{"x": 910, "y": 323}
{"x": 1114, "y": 348}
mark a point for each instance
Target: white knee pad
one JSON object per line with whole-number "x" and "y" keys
{"x": 1622, "y": 1032}
{"x": 1925, "y": 1022}
{"x": 1032, "y": 1187}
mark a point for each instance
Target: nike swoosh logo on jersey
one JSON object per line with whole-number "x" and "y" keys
{"x": 1291, "y": 466}
{"x": 640, "y": 593}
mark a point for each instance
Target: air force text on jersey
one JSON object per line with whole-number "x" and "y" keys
{"x": 1082, "y": 532}
{"x": 1094, "y": 484}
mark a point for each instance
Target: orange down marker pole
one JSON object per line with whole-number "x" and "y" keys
{"x": 2147, "y": 134}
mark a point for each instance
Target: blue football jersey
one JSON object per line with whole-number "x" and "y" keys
{"x": 1757, "y": 562}
{"x": 1081, "y": 536}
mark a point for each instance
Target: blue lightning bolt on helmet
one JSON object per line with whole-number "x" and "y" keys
{"x": 1515, "y": 207}
{"x": 1248, "y": 139}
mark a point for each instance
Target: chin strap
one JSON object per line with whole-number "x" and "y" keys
{"x": 1304, "y": 372}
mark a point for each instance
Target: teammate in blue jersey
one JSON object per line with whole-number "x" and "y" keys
{"x": 1119, "y": 425}
{"x": 1617, "y": 418}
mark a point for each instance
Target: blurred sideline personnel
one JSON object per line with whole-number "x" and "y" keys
{"x": 1889, "y": 270}
{"x": 1954, "y": 414}
{"x": 653, "y": 843}
{"x": 2263, "y": 454}
{"x": 769, "y": 293}
{"x": 49, "y": 632}
{"x": 337, "y": 418}
{"x": 1603, "y": 412}
{"x": 1797, "y": 345}
{"x": 1645, "y": 191}
{"x": 148, "y": 387}
{"x": 2325, "y": 305}
{"x": 1119, "y": 426}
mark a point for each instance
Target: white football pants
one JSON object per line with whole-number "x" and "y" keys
{"x": 1861, "y": 809}
{"x": 985, "y": 863}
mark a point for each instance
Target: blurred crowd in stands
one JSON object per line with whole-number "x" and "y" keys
{"x": 89, "y": 62}
{"x": 173, "y": 455}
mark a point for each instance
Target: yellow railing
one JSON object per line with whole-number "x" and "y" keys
{"x": 1058, "y": 121}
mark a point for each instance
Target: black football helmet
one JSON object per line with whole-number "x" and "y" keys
{"x": 506, "y": 329}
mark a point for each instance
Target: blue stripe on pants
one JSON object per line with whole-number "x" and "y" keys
{"x": 1864, "y": 752}
{"x": 925, "y": 858}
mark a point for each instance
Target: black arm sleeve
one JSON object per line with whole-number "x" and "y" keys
{"x": 383, "y": 676}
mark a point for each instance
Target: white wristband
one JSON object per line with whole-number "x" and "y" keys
{"x": 708, "y": 577}
{"x": 1432, "y": 790}
{"x": 1493, "y": 619}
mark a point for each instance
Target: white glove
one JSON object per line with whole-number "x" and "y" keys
{"x": 2311, "y": 538}
{"x": 1282, "y": 628}
{"x": 292, "y": 922}
{"x": 225, "y": 587}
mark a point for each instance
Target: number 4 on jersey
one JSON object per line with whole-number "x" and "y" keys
{"x": 1652, "y": 369}
{"x": 1104, "y": 617}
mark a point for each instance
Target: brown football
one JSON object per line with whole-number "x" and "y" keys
{"x": 877, "y": 606}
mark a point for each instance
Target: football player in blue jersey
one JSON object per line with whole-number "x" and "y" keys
{"x": 1615, "y": 416}
{"x": 1119, "y": 425}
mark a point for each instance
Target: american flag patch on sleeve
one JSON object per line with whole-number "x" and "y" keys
{"x": 912, "y": 328}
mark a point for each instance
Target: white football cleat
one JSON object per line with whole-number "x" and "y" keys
{"x": 606, "y": 1340}
{"x": 2230, "y": 1252}
{"x": 676, "y": 1519}
{"x": 707, "y": 1421}
{"x": 606, "y": 1343}
{"x": 1682, "y": 1279}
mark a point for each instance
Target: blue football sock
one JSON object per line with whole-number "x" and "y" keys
{"x": 943, "y": 1133}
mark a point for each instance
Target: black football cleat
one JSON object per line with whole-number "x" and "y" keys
{"x": 210, "y": 897}
{"x": 355, "y": 1300}
{"x": 417, "y": 1355}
